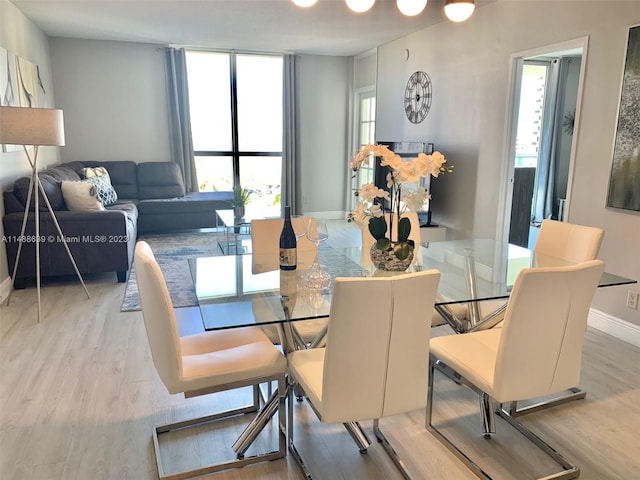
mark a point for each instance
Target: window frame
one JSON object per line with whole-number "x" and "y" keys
{"x": 235, "y": 153}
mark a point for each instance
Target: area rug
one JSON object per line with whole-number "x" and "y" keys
{"x": 173, "y": 251}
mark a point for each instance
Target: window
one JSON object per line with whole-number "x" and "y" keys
{"x": 365, "y": 134}
{"x": 235, "y": 101}
{"x": 532, "y": 92}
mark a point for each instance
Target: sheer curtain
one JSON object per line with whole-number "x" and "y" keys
{"x": 179, "y": 120}
{"x": 289, "y": 191}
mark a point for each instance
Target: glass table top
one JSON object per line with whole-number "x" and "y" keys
{"x": 244, "y": 290}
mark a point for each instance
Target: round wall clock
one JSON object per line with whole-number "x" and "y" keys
{"x": 417, "y": 97}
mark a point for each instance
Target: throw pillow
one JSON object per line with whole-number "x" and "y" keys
{"x": 81, "y": 196}
{"x": 90, "y": 172}
{"x": 106, "y": 192}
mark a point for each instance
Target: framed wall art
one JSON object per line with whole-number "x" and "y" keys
{"x": 20, "y": 85}
{"x": 624, "y": 182}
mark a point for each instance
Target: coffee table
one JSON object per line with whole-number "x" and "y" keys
{"x": 237, "y": 233}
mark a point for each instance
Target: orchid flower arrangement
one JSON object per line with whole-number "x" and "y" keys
{"x": 401, "y": 171}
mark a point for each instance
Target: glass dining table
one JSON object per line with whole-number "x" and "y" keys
{"x": 250, "y": 290}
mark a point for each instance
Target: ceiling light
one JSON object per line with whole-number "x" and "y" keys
{"x": 304, "y": 3}
{"x": 411, "y": 7}
{"x": 459, "y": 10}
{"x": 360, "y": 6}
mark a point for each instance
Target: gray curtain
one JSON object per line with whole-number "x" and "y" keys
{"x": 546, "y": 187}
{"x": 179, "y": 119}
{"x": 289, "y": 190}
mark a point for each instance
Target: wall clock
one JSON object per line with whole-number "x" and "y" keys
{"x": 417, "y": 97}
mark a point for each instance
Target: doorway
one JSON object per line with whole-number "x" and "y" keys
{"x": 547, "y": 85}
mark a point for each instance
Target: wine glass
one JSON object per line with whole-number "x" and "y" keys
{"x": 299, "y": 226}
{"x": 317, "y": 231}
{"x": 316, "y": 277}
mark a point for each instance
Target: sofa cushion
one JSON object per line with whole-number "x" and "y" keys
{"x": 51, "y": 180}
{"x": 196, "y": 202}
{"x": 81, "y": 196}
{"x": 160, "y": 180}
{"x": 130, "y": 210}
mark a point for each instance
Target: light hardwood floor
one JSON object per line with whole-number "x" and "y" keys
{"x": 79, "y": 396}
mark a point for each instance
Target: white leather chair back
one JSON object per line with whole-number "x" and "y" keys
{"x": 543, "y": 333}
{"x": 577, "y": 243}
{"x": 159, "y": 318}
{"x": 376, "y": 360}
{"x": 265, "y": 234}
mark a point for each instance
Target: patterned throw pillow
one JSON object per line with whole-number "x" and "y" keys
{"x": 106, "y": 192}
{"x": 90, "y": 172}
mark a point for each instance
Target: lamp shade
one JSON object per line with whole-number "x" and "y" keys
{"x": 411, "y": 8}
{"x": 459, "y": 10}
{"x": 31, "y": 126}
{"x": 305, "y": 3}
{"x": 360, "y": 6}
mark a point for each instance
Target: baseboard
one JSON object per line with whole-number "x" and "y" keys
{"x": 5, "y": 288}
{"x": 625, "y": 331}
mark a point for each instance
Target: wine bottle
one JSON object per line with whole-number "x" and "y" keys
{"x": 288, "y": 244}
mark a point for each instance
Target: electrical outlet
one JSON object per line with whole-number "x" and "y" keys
{"x": 632, "y": 299}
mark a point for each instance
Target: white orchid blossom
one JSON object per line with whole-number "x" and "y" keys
{"x": 416, "y": 199}
{"x": 369, "y": 192}
{"x": 402, "y": 171}
{"x": 359, "y": 214}
{"x": 376, "y": 211}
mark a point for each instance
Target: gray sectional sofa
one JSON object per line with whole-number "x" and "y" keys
{"x": 151, "y": 199}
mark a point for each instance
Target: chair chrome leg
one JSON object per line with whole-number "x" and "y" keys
{"x": 240, "y": 461}
{"x": 569, "y": 471}
{"x": 475, "y": 468}
{"x": 358, "y": 435}
{"x": 292, "y": 448}
{"x": 390, "y": 450}
{"x": 250, "y": 433}
{"x": 488, "y": 418}
{"x": 574, "y": 394}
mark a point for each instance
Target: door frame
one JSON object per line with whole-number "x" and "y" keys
{"x": 511, "y": 126}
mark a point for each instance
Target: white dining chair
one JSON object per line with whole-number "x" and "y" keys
{"x": 537, "y": 352}
{"x": 375, "y": 363}
{"x": 556, "y": 240}
{"x": 265, "y": 236}
{"x": 206, "y": 363}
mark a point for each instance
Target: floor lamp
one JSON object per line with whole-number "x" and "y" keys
{"x": 34, "y": 126}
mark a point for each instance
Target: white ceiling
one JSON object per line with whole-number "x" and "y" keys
{"x": 328, "y": 28}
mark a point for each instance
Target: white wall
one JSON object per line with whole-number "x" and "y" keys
{"x": 324, "y": 102}
{"x": 114, "y": 99}
{"x": 18, "y": 35}
{"x": 469, "y": 67}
